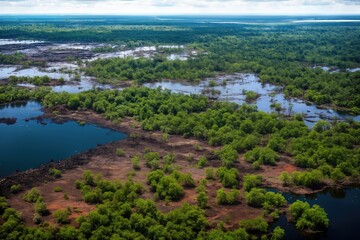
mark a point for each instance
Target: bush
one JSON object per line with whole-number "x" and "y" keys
{"x": 251, "y": 181}
{"x": 260, "y": 198}
{"x": 262, "y": 155}
{"x": 57, "y": 189}
{"x": 210, "y": 173}
{"x": 40, "y": 207}
{"x": 32, "y": 195}
{"x": 120, "y": 152}
{"x": 152, "y": 160}
{"x": 308, "y": 218}
{"x": 228, "y": 156}
{"x": 61, "y": 216}
{"x": 278, "y": 234}
{"x": 202, "y": 199}
{"x": 227, "y": 198}
{"x": 56, "y": 173}
{"x": 228, "y": 177}
{"x": 202, "y": 162}
{"x": 136, "y": 162}
{"x": 256, "y": 225}
{"x": 3, "y": 204}
{"x": 15, "y": 188}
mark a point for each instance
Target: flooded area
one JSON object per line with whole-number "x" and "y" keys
{"x": 231, "y": 88}
{"x": 28, "y": 143}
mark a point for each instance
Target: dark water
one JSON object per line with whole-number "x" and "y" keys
{"x": 28, "y": 144}
{"x": 342, "y": 207}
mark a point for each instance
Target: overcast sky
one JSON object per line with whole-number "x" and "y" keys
{"x": 181, "y": 6}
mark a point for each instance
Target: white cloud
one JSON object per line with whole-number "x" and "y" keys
{"x": 181, "y": 7}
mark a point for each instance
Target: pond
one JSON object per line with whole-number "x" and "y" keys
{"x": 28, "y": 143}
{"x": 237, "y": 83}
{"x": 342, "y": 207}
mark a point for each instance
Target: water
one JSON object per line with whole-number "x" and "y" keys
{"x": 342, "y": 207}
{"x": 28, "y": 144}
{"x": 7, "y": 71}
{"x": 233, "y": 92}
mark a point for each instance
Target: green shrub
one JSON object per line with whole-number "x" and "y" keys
{"x": 202, "y": 162}
{"x": 210, "y": 173}
{"x": 15, "y": 188}
{"x": 251, "y": 181}
{"x": 136, "y": 162}
{"x": 61, "y": 216}
{"x": 256, "y": 225}
{"x": 308, "y": 218}
{"x": 228, "y": 177}
{"x": 57, "y": 189}
{"x": 120, "y": 152}
{"x": 56, "y": 173}
{"x": 262, "y": 155}
{"x": 32, "y": 195}
{"x": 40, "y": 207}
{"x": 227, "y": 198}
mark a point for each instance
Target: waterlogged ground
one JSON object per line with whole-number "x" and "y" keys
{"x": 30, "y": 143}
{"x": 233, "y": 92}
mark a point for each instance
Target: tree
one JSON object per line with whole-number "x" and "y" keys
{"x": 251, "y": 181}
{"x": 61, "y": 216}
{"x": 278, "y": 234}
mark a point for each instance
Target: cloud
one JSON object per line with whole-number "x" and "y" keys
{"x": 179, "y": 7}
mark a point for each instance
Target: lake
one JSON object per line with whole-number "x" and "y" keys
{"x": 29, "y": 144}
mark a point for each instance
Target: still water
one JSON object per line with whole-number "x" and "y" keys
{"x": 342, "y": 207}
{"x": 29, "y": 143}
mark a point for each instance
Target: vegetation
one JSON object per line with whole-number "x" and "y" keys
{"x": 56, "y": 173}
{"x": 255, "y": 225}
{"x": 227, "y": 197}
{"x": 308, "y": 218}
{"x": 32, "y": 195}
{"x": 16, "y": 188}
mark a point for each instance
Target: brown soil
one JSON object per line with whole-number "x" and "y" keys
{"x": 103, "y": 160}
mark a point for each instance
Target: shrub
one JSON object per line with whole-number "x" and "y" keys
{"x": 169, "y": 158}
{"x": 228, "y": 177}
{"x": 262, "y": 155}
{"x": 61, "y": 216}
{"x": 278, "y": 234}
{"x": 56, "y": 173}
{"x": 40, "y": 207}
{"x": 32, "y": 195}
{"x": 227, "y": 198}
{"x": 152, "y": 160}
{"x": 308, "y": 218}
{"x": 255, "y": 225}
{"x": 202, "y": 199}
{"x": 57, "y": 189}
{"x": 15, "y": 188}
{"x": 210, "y": 173}
{"x": 120, "y": 152}
{"x": 202, "y": 162}
{"x": 251, "y": 181}
{"x": 3, "y": 204}
{"x": 136, "y": 162}
{"x": 260, "y": 198}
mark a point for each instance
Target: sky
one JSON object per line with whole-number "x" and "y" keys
{"x": 169, "y": 7}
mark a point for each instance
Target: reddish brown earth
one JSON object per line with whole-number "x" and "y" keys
{"x": 103, "y": 160}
